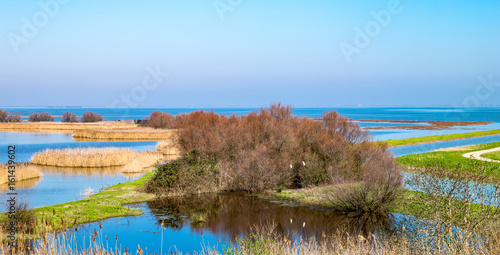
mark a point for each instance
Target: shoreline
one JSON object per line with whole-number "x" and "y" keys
{"x": 438, "y": 138}
{"x": 109, "y": 203}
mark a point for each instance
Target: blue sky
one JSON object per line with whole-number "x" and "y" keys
{"x": 246, "y": 53}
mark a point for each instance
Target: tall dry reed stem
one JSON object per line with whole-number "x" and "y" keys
{"x": 58, "y": 126}
{"x": 23, "y": 171}
{"x": 128, "y": 134}
{"x": 168, "y": 147}
{"x": 95, "y": 157}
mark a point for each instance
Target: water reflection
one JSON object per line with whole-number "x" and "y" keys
{"x": 24, "y": 184}
{"x": 225, "y": 217}
{"x": 97, "y": 171}
{"x": 231, "y": 215}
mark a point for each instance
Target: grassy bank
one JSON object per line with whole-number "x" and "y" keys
{"x": 138, "y": 133}
{"x": 96, "y": 157}
{"x": 454, "y": 161}
{"x": 106, "y": 204}
{"x": 492, "y": 155}
{"x": 409, "y": 202}
{"x": 440, "y": 138}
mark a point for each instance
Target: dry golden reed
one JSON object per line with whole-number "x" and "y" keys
{"x": 22, "y": 172}
{"x": 124, "y": 134}
{"x": 168, "y": 147}
{"x": 263, "y": 243}
{"x": 144, "y": 161}
{"x": 91, "y": 157}
{"x": 64, "y": 127}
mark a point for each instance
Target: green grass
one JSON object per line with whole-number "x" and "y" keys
{"x": 409, "y": 203}
{"x": 106, "y": 204}
{"x": 454, "y": 161}
{"x": 436, "y": 138}
{"x": 492, "y": 155}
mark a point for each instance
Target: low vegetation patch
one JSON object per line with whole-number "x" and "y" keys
{"x": 23, "y": 172}
{"x": 94, "y": 157}
{"x": 69, "y": 117}
{"x": 89, "y": 116}
{"x": 40, "y": 116}
{"x": 454, "y": 162}
{"x": 437, "y": 138}
{"x": 159, "y": 119}
{"x": 189, "y": 174}
{"x": 6, "y": 117}
{"x": 492, "y": 155}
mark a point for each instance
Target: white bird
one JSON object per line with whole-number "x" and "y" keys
{"x": 291, "y": 166}
{"x": 291, "y": 221}
{"x": 303, "y": 163}
{"x": 304, "y": 224}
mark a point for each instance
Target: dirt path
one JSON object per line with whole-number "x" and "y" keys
{"x": 477, "y": 155}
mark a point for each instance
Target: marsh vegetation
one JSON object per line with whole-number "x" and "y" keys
{"x": 23, "y": 171}
{"x": 97, "y": 157}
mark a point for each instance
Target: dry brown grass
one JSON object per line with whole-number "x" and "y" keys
{"x": 64, "y": 127}
{"x": 148, "y": 134}
{"x": 143, "y": 162}
{"x": 168, "y": 147}
{"x": 94, "y": 157}
{"x": 22, "y": 172}
{"x": 261, "y": 240}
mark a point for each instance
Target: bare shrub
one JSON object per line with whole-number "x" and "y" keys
{"x": 13, "y": 118}
{"x": 159, "y": 119}
{"x": 25, "y": 218}
{"x": 39, "y": 117}
{"x": 69, "y": 117}
{"x": 273, "y": 148}
{"x": 89, "y": 116}
{"x": 3, "y": 115}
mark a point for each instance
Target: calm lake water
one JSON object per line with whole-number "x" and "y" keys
{"x": 28, "y": 143}
{"x": 60, "y": 185}
{"x": 227, "y": 216}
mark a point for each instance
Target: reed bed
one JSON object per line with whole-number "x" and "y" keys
{"x": 23, "y": 172}
{"x": 259, "y": 241}
{"x": 148, "y": 134}
{"x": 144, "y": 161}
{"x": 168, "y": 147}
{"x": 93, "y": 157}
{"x": 64, "y": 127}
